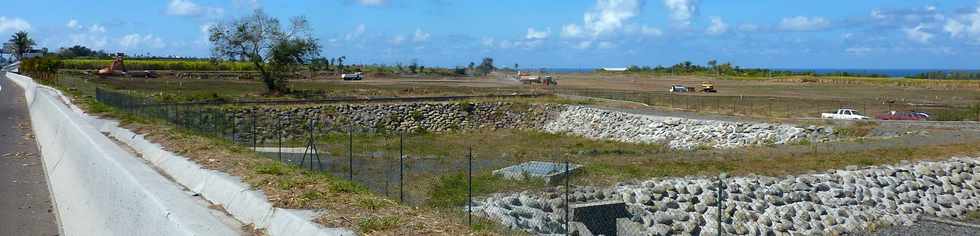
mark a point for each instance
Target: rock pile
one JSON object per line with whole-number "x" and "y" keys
{"x": 678, "y": 133}
{"x": 831, "y": 203}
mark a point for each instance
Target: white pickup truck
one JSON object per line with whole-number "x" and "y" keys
{"x": 844, "y": 114}
{"x": 354, "y": 76}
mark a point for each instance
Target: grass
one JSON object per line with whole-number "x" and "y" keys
{"x": 857, "y": 129}
{"x": 452, "y": 190}
{"x": 374, "y": 224}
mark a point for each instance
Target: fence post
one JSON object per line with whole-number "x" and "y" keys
{"x": 469, "y": 189}
{"x": 254, "y": 137}
{"x": 721, "y": 187}
{"x": 401, "y": 167}
{"x": 567, "y": 190}
{"x": 279, "y": 134}
{"x": 350, "y": 151}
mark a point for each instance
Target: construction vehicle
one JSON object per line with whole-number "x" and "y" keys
{"x": 708, "y": 87}
{"x": 527, "y": 78}
{"x": 118, "y": 68}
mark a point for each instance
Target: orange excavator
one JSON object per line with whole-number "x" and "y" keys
{"x": 118, "y": 68}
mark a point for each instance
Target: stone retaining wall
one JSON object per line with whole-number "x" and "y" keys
{"x": 410, "y": 117}
{"x": 830, "y": 203}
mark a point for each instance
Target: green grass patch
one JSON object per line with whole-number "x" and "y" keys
{"x": 452, "y": 190}
{"x": 375, "y": 224}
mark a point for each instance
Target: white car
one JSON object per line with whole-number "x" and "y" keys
{"x": 844, "y": 114}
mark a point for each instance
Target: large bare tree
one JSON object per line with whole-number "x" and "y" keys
{"x": 261, "y": 40}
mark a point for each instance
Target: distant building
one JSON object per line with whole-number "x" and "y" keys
{"x": 615, "y": 69}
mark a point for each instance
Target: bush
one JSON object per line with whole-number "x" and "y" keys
{"x": 179, "y": 65}
{"x": 41, "y": 67}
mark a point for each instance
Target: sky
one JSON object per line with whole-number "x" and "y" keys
{"x": 842, "y": 34}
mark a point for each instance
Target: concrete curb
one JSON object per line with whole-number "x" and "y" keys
{"x": 100, "y": 189}
{"x": 245, "y": 204}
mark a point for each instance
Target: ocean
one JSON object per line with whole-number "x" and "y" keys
{"x": 888, "y": 72}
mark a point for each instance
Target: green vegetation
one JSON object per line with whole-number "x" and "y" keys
{"x": 451, "y": 190}
{"x": 43, "y": 68}
{"x": 374, "y": 224}
{"x": 857, "y": 129}
{"x": 943, "y": 75}
{"x": 21, "y": 43}
{"x": 160, "y": 64}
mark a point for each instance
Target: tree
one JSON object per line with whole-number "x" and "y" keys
{"x": 486, "y": 66}
{"x": 80, "y": 51}
{"x": 260, "y": 40}
{"x": 21, "y": 43}
{"x": 414, "y": 66}
{"x": 713, "y": 63}
{"x": 340, "y": 63}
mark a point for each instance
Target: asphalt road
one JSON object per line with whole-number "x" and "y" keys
{"x": 25, "y": 202}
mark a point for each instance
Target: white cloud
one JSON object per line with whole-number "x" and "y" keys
{"x": 954, "y": 28}
{"x": 583, "y": 45}
{"x": 748, "y": 28}
{"x": 137, "y": 41}
{"x": 651, "y": 31}
{"x": 717, "y": 27}
{"x": 189, "y": 8}
{"x": 606, "y": 45}
{"x": 421, "y": 36}
{"x": 802, "y": 23}
{"x": 205, "y": 38}
{"x": 373, "y": 3}
{"x": 13, "y": 24}
{"x": 609, "y": 15}
{"x": 537, "y": 35}
{"x": 487, "y": 42}
{"x": 358, "y": 31}
{"x": 682, "y": 11}
{"x": 860, "y": 51}
{"x": 606, "y": 17}
{"x": 918, "y": 34}
{"x": 397, "y": 40}
{"x": 877, "y": 14}
{"x": 965, "y": 26}
{"x": 73, "y": 24}
{"x": 254, "y": 4}
{"x": 95, "y": 28}
{"x": 571, "y": 31}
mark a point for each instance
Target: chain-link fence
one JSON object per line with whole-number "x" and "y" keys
{"x": 414, "y": 168}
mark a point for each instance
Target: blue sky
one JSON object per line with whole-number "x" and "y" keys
{"x": 549, "y": 33}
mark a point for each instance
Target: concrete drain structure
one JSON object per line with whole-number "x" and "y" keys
{"x": 550, "y": 172}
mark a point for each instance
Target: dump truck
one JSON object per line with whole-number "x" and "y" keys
{"x": 527, "y": 78}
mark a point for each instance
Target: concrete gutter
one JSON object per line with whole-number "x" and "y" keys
{"x": 100, "y": 189}
{"x": 239, "y": 199}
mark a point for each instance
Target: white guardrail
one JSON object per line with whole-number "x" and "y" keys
{"x": 99, "y": 190}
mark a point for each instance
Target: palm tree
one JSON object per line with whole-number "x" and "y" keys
{"x": 22, "y": 44}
